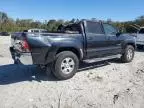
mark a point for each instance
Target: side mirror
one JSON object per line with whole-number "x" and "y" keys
{"x": 118, "y": 34}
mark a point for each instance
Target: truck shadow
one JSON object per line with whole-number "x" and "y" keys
{"x": 10, "y": 74}
{"x": 140, "y": 50}
{"x": 18, "y": 73}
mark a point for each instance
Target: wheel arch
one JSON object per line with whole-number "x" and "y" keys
{"x": 132, "y": 44}
{"x": 76, "y": 51}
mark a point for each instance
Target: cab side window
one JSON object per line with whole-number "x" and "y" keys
{"x": 94, "y": 27}
{"x": 109, "y": 29}
{"x": 36, "y": 31}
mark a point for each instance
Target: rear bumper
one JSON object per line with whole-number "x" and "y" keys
{"x": 21, "y": 58}
{"x": 26, "y": 59}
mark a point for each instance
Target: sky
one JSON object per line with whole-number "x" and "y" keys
{"x": 117, "y": 10}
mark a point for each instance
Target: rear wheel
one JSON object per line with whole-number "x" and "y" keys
{"x": 41, "y": 68}
{"x": 128, "y": 54}
{"x": 66, "y": 65}
{"x": 140, "y": 46}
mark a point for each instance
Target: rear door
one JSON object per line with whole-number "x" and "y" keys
{"x": 113, "y": 41}
{"x": 96, "y": 39}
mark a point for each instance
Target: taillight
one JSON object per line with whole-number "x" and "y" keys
{"x": 25, "y": 46}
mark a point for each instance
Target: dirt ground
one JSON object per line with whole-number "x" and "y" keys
{"x": 97, "y": 85}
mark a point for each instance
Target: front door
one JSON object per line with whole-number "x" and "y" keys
{"x": 96, "y": 40}
{"x": 113, "y": 41}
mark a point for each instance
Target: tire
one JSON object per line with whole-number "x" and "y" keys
{"x": 128, "y": 54}
{"x": 66, "y": 65}
{"x": 140, "y": 46}
{"x": 17, "y": 62}
{"x": 41, "y": 68}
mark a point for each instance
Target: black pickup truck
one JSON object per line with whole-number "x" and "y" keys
{"x": 61, "y": 52}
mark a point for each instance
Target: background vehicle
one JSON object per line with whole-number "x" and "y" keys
{"x": 62, "y": 52}
{"x": 36, "y": 31}
{"x": 4, "y": 34}
{"x": 140, "y": 38}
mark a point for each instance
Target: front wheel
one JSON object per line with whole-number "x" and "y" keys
{"x": 66, "y": 65}
{"x": 128, "y": 54}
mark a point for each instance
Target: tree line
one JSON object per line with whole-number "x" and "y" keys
{"x": 8, "y": 24}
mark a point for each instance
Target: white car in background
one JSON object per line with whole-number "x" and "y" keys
{"x": 140, "y": 38}
{"x": 36, "y": 31}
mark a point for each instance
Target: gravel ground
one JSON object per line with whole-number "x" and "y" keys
{"x": 97, "y": 85}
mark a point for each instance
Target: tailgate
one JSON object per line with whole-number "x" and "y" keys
{"x": 19, "y": 49}
{"x": 18, "y": 41}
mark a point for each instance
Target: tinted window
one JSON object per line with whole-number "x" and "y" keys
{"x": 109, "y": 29}
{"x": 36, "y": 31}
{"x": 25, "y": 31}
{"x": 44, "y": 31}
{"x": 141, "y": 31}
{"x": 94, "y": 27}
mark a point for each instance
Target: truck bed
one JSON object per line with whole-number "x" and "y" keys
{"x": 40, "y": 44}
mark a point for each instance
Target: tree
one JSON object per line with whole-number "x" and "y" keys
{"x": 54, "y": 24}
{"x": 9, "y": 25}
{"x": 36, "y": 24}
{"x": 3, "y": 19}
